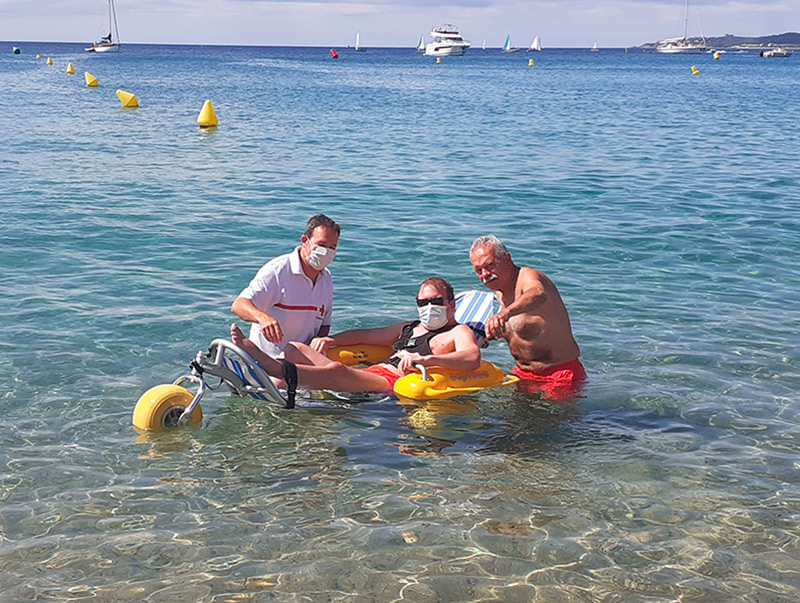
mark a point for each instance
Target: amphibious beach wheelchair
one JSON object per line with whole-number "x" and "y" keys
{"x": 172, "y": 405}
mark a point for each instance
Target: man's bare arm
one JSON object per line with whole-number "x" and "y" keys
{"x": 532, "y": 296}
{"x": 247, "y": 310}
{"x": 466, "y": 357}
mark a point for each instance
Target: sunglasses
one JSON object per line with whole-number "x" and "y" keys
{"x": 433, "y": 301}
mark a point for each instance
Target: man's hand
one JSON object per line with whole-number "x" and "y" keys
{"x": 408, "y": 360}
{"x": 321, "y": 344}
{"x": 271, "y": 329}
{"x": 496, "y": 325}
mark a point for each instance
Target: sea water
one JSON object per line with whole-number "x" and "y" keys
{"x": 665, "y": 206}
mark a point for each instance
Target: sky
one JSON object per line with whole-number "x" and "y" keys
{"x": 397, "y": 23}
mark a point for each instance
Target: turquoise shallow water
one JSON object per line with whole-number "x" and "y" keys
{"x": 664, "y": 206}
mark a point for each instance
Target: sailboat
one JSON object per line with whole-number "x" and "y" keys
{"x": 421, "y": 45}
{"x": 536, "y": 44}
{"x": 484, "y": 45}
{"x": 594, "y": 48}
{"x": 682, "y": 45}
{"x": 108, "y": 43}
{"x": 507, "y": 46}
{"x": 358, "y": 43}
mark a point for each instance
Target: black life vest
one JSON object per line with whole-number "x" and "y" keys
{"x": 421, "y": 344}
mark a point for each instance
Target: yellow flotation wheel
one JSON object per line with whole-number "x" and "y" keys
{"x": 160, "y": 407}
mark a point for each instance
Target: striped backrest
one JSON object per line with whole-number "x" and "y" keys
{"x": 473, "y": 308}
{"x": 248, "y": 377}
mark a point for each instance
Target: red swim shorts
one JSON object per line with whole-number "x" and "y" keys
{"x": 382, "y": 371}
{"x": 557, "y": 382}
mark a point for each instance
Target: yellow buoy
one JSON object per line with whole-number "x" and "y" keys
{"x": 49, "y": 61}
{"x": 530, "y": 62}
{"x": 128, "y": 99}
{"x": 91, "y": 81}
{"x": 207, "y": 117}
{"x": 38, "y": 56}
{"x": 70, "y": 68}
{"x": 716, "y": 56}
{"x": 438, "y": 60}
{"x": 695, "y": 70}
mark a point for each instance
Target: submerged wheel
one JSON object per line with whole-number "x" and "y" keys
{"x": 160, "y": 407}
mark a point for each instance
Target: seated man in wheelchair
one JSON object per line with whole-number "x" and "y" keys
{"x": 436, "y": 339}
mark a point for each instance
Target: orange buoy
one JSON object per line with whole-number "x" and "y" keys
{"x": 333, "y": 54}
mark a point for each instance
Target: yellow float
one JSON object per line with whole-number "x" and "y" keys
{"x": 351, "y": 355}
{"x": 438, "y": 383}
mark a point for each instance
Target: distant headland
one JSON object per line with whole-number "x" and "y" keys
{"x": 784, "y": 40}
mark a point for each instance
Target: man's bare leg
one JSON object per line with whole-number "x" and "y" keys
{"x": 300, "y": 353}
{"x": 333, "y": 376}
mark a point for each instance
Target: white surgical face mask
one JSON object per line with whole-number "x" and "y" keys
{"x": 433, "y": 317}
{"x": 320, "y": 257}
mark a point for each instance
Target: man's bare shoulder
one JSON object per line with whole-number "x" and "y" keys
{"x": 530, "y": 276}
{"x": 457, "y": 332}
{"x": 462, "y": 330}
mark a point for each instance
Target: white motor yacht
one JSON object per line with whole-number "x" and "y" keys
{"x": 776, "y": 53}
{"x": 447, "y": 42}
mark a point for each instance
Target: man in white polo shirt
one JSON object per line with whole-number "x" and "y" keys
{"x": 291, "y": 297}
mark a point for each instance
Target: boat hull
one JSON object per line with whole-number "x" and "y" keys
{"x": 103, "y": 48}
{"x": 775, "y": 54}
{"x": 681, "y": 50}
{"x": 445, "y": 50}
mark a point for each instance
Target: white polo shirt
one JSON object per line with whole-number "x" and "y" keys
{"x": 282, "y": 290}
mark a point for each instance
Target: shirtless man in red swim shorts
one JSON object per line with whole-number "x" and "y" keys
{"x": 532, "y": 318}
{"x": 436, "y": 339}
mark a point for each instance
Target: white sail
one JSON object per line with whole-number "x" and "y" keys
{"x": 594, "y": 47}
{"x": 507, "y": 47}
{"x": 484, "y": 45}
{"x": 421, "y": 45}
{"x": 536, "y": 44}
{"x": 358, "y": 42}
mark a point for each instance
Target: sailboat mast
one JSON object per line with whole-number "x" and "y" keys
{"x": 112, "y": 18}
{"x": 686, "y": 20}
